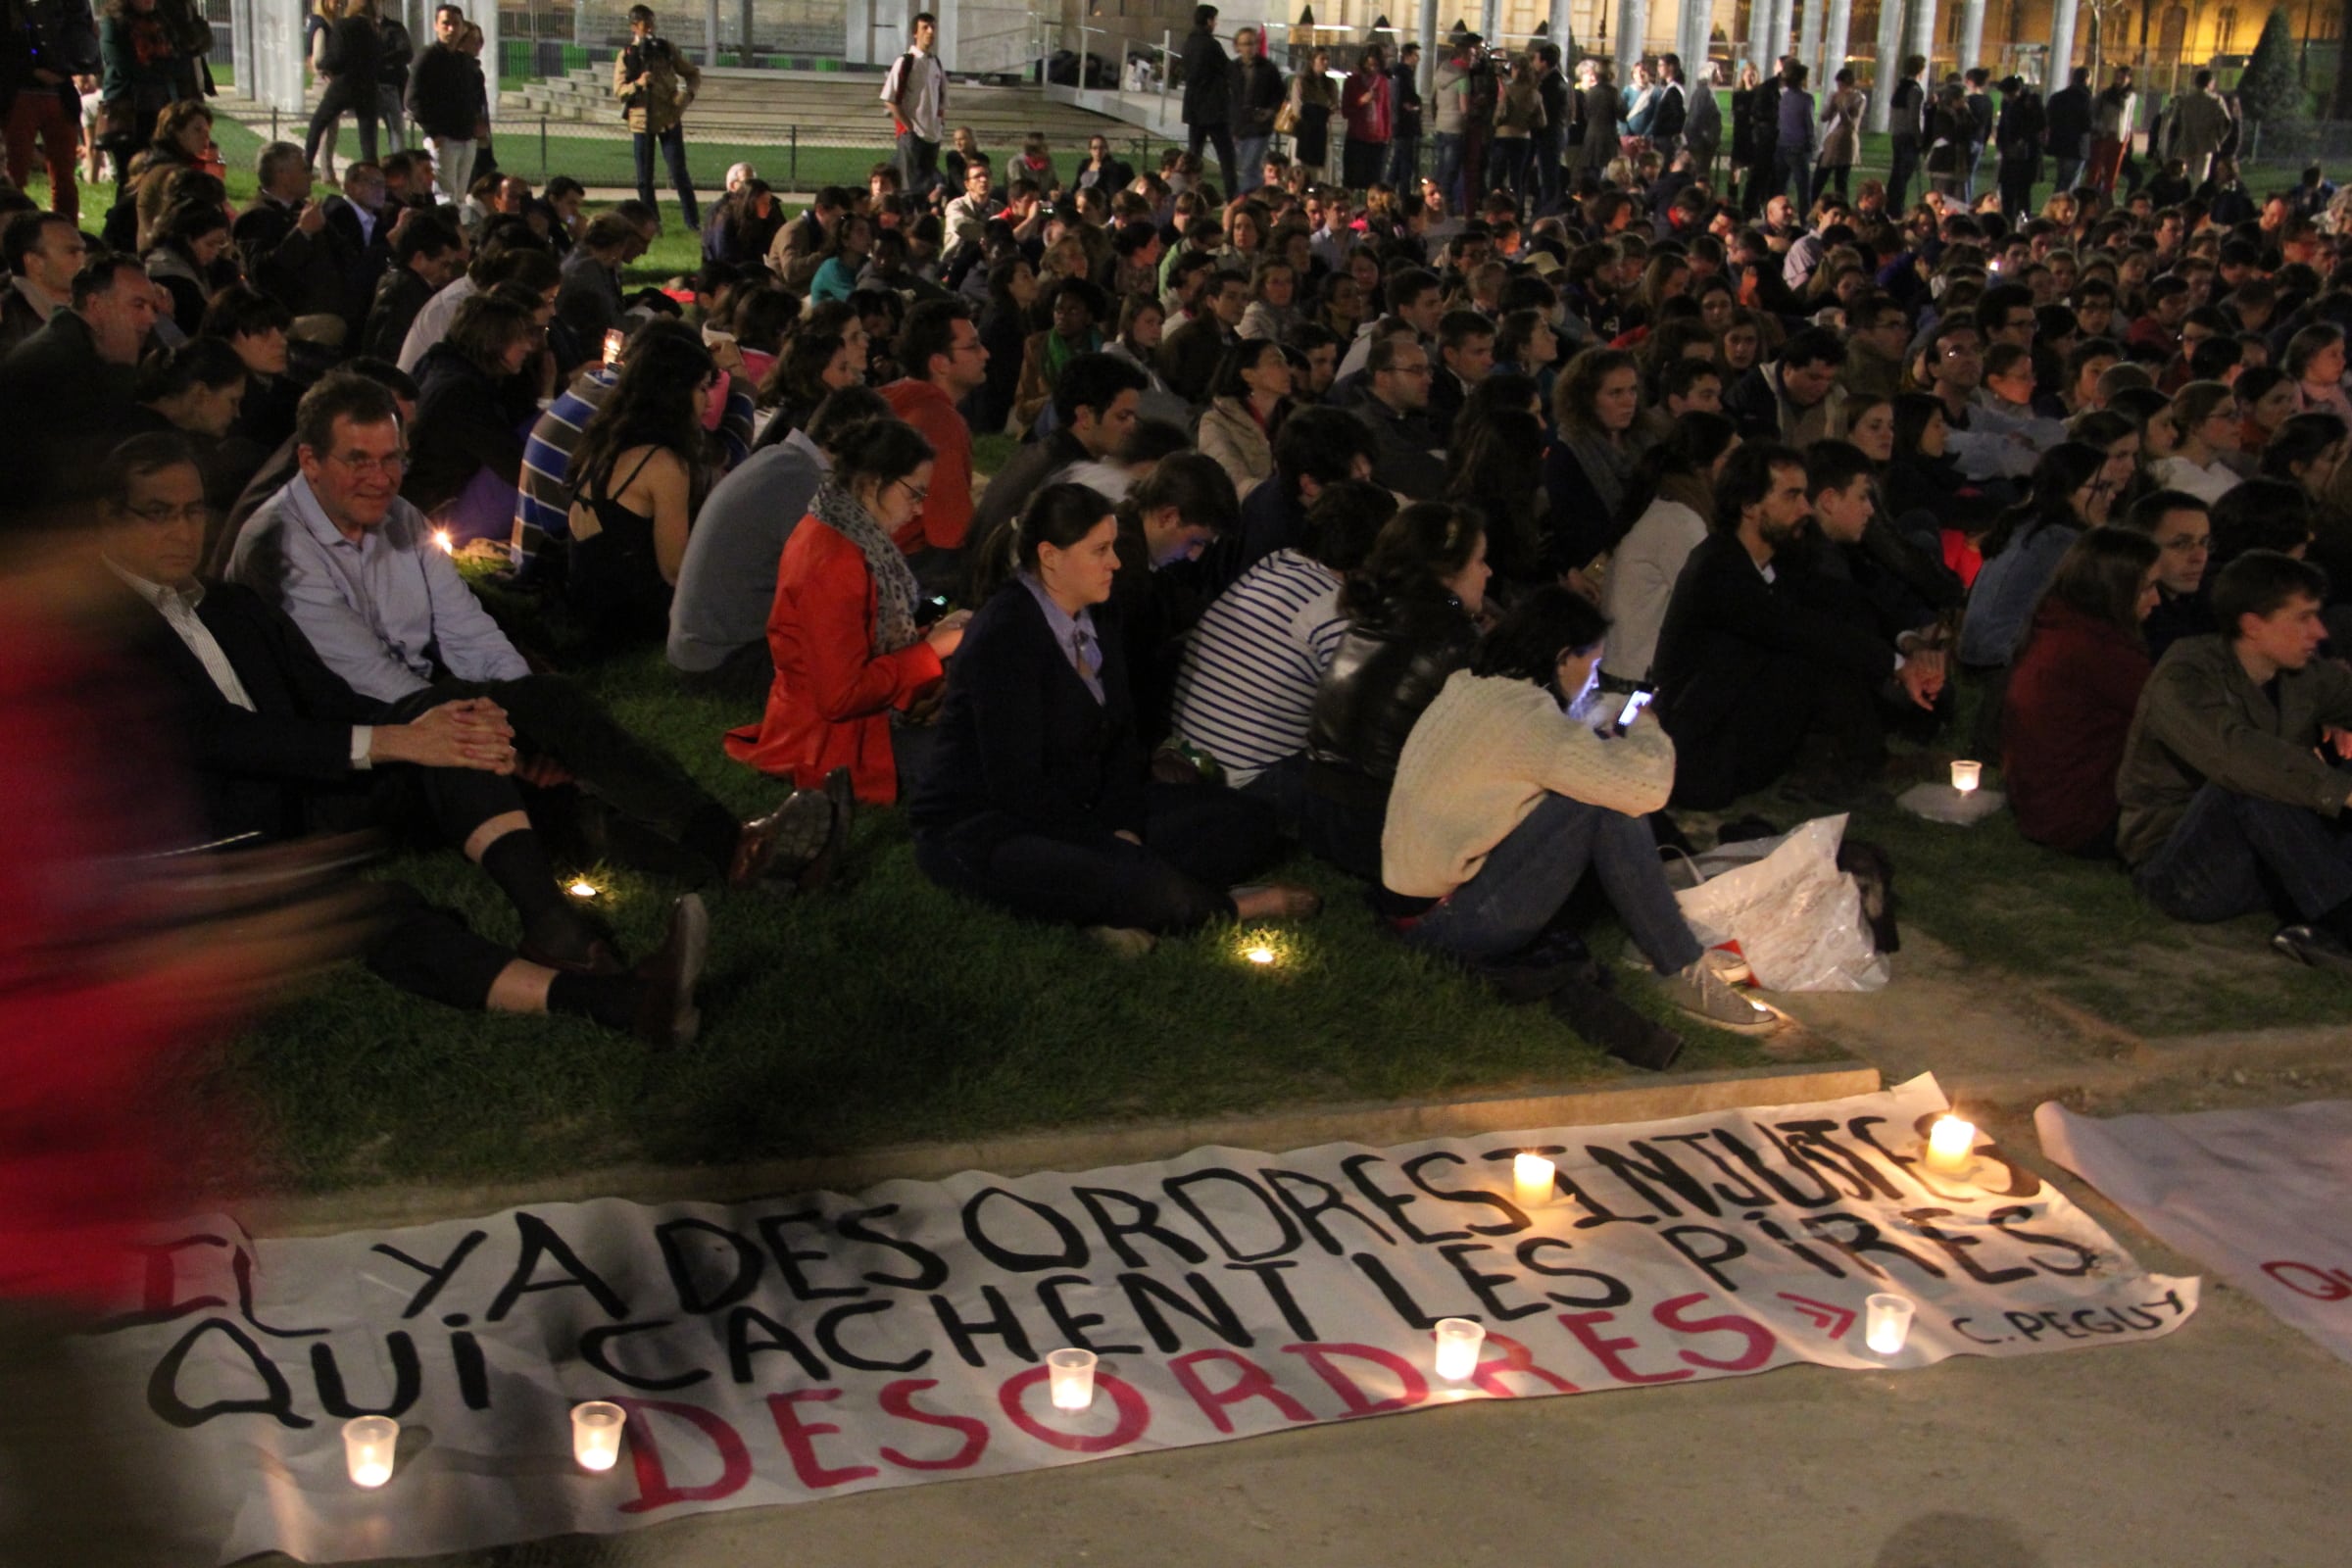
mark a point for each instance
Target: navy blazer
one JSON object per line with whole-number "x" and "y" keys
{"x": 254, "y": 769}
{"x": 1022, "y": 746}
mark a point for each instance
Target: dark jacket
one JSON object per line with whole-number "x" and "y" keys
{"x": 1907, "y": 110}
{"x": 55, "y": 35}
{"x": 2069, "y": 114}
{"x": 1022, "y": 746}
{"x": 1207, "y": 80}
{"x": 399, "y": 52}
{"x": 1405, "y": 93}
{"x": 305, "y": 273}
{"x": 1023, "y": 475}
{"x": 445, "y": 92}
{"x": 1255, "y": 95}
{"x": 463, "y": 425}
{"x": 2065, "y": 715}
{"x": 1388, "y": 668}
{"x": 1673, "y": 109}
{"x": 398, "y": 296}
{"x": 1404, "y": 451}
{"x": 61, "y": 404}
{"x": 2202, "y": 720}
{"x": 254, "y": 770}
{"x": 355, "y": 51}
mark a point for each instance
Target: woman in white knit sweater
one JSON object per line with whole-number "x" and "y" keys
{"x": 1506, "y": 796}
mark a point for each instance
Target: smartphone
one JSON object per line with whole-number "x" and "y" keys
{"x": 1634, "y": 705}
{"x": 929, "y": 608}
{"x": 613, "y": 339}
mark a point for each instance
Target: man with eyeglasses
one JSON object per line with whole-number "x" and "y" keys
{"x": 1951, "y": 366}
{"x": 281, "y": 747}
{"x": 946, "y": 361}
{"x": 1406, "y": 447}
{"x": 382, "y": 603}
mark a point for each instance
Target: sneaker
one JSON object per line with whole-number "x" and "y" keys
{"x": 1701, "y": 992}
{"x": 1729, "y": 966}
{"x": 2314, "y": 945}
{"x": 1126, "y": 941}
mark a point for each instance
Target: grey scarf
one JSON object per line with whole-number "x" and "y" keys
{"x": 894, "y": 579}
{"x": 1608, "y": 464}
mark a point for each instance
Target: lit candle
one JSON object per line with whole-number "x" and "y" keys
{"x": 442, "y": 539}
{"x": 1459, "y": 1341}
{"x": 1071, "y": 1374}
{"x": 1530, "y": 1176}
{"x": 1886, "y": 1323}
{"x": 368, "y": 1441}
{"x": 1259, "y": 954}
{"x": 581, "y": 888}
{"x": 1951, "y": 1146}
{"x": 1966, "y": 776}
{"x": 595, "y": 1434}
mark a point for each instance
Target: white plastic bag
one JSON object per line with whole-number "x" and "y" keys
{"x": 1796, "y": 917}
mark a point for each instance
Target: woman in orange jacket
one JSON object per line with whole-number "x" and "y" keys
{"x": 846, "y": 631}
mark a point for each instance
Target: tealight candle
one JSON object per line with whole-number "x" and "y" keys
{"x": 1966, "y": 776}
{"x": 368, "y": 1441}
{"x": 595, "y": 1434}
{"x": 447, "y": 545}
{"x": 1071, "y": 1373}
{"x": 1532, "y": 1179}
{"x": 1458, "y": 1342}
{"x": 581, "y": 888}
{"x": 1886, "y": 1323}
{"x": 1259, "y": 954}
{"x": 1951, "y": 1146}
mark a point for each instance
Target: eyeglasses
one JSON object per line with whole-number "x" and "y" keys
{"x": 156, "y": 516}
{"x": 918, "y": 497}
{"x": 367, "y": 467}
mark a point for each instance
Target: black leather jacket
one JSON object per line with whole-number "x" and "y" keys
{"x": 1388, "y": 671}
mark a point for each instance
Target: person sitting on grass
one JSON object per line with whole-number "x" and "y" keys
{"x": 355, "y": 568}
{"x": 1504, "y": 798}
{"x": 2183, "y": 533}
{"x": 1039, "y": 799}
{"x": 2074, "y": 690}
{"x": 282, "y": 747}
{"x": 1079, "y": 313}
{"x": 2069, "y": 495}
{"x": 1755, "y": 665}
{"x": 1414, "y": 617}
{"x": 1670, "y": 500}
{"x": 1167, "y": 519}
{"x": 1247, "y": 684}
{"x": 848, "y": 631}
{"x": 2231, "y": 802}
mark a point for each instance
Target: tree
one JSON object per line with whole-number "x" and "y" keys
{"x": 2268, "y": 92}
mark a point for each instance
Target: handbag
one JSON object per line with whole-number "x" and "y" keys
{"x": 1285, "y": 118}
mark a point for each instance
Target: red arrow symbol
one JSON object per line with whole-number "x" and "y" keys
{"x": 1834, "y": 1320}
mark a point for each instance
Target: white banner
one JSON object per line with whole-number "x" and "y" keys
{"x": 775, "y": 1352}
{"x": 2259, "y": 1195}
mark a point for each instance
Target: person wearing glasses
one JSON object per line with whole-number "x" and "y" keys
{"x": 380, "y": 600}
{"x": 854, "y": 642}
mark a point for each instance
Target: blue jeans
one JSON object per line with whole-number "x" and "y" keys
{"x": 1250, "y": 161}
{"x": 1794, "y": 167}
{"x": 673, "y": 152}
{"x": 1449, "y": 168}
{"x": 1404, "y": 166}
{"x": 918, "y": 164}
{"x": 2070, "y": 174}
{"x": 2234, "y": 854}
{"x": 1898, "y": 177}
{"x": 1544, "y": 150}
{"x": 1529, "y": 874}
{"x": 1970, "y": 156}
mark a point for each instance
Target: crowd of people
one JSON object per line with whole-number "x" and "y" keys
{"x": 1456, "y": 531}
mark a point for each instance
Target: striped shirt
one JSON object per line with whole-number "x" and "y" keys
{"x": 1248, "y": 686}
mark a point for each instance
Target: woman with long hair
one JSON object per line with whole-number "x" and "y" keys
{"x": 2267, "y": 397}
{"x": 1273, "y": 309}
{"x": 813, "y": 364}
{"x": 1313, "y": 101}
{"x": 1670, "y": 504}
{"x": 1525, "y": 342}
{"x": 2066, "y": 498}
{"x": 2308, "y": 451}
{"x": 1248, "y": 400}
{"x": 189, "y": 245}
{"x": 1039, "y": 799}
{"x": 1495, "y": 463}
{"x": 471, "y": 403}
{"x": 2075, "y": 689}
{"x": 1506, "y": 799}
{"x": 638, "y": 477}
{"x": 183, "y": 141}
{"x": 2205, "y": 422}
{"x": 845, "y": 257}
{"x": 194, "y": 390}
{"x": 1413, "y": 615}
{"x": 1590, "y": 463}
{"x": 847, "y": 633}
{"x": 2314, "y": 358}
{"x": 742, "y": 224}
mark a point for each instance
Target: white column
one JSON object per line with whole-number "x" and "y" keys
{"x": 711, "y": 32}
{"x": 1563, "y": 31}
{"x": 1835, "y": 45}
{"x": 1429, "y": 64}
{"x": 1808, "y": 45}
{"x": 858, "y": 21}
{"x": 1888, "y": 64}
{"x": 1920, "y": 37}
{"x": 2062, "y": 45}
{"x": 1490, "y": 24}
{"x": 1972, "y": 34}
{"x": 1632, "y": 29}
{"x": 1692, "y": 24}
{"x": 485, "y": 17}
{"x": 1781, "y": 17}
{"x": 273, "y": 73}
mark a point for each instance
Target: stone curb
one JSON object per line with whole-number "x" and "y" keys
{"x": 1077, "y": 1149}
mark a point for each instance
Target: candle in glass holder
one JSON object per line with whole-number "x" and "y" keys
{"x": 595, "y": 1434}
{"x": 1966, "y": 776}
{"x": 1071, "y": 1373}
{"x": 1532, "y": 1179}
{"x": 368, "y": 1441}
{"x": 1458, "y": 1342}
{"x": 1951, "y": 1146}
{"x": 1886, "y": 1323}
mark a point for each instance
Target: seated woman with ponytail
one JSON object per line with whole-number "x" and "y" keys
{"x": 1505, "y": 799}
{"x": 1039, "y": 798}
{"x": 1671, "y": 502}
{"x": 2069, "y": 495}
{"x": 850, "y": 651}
